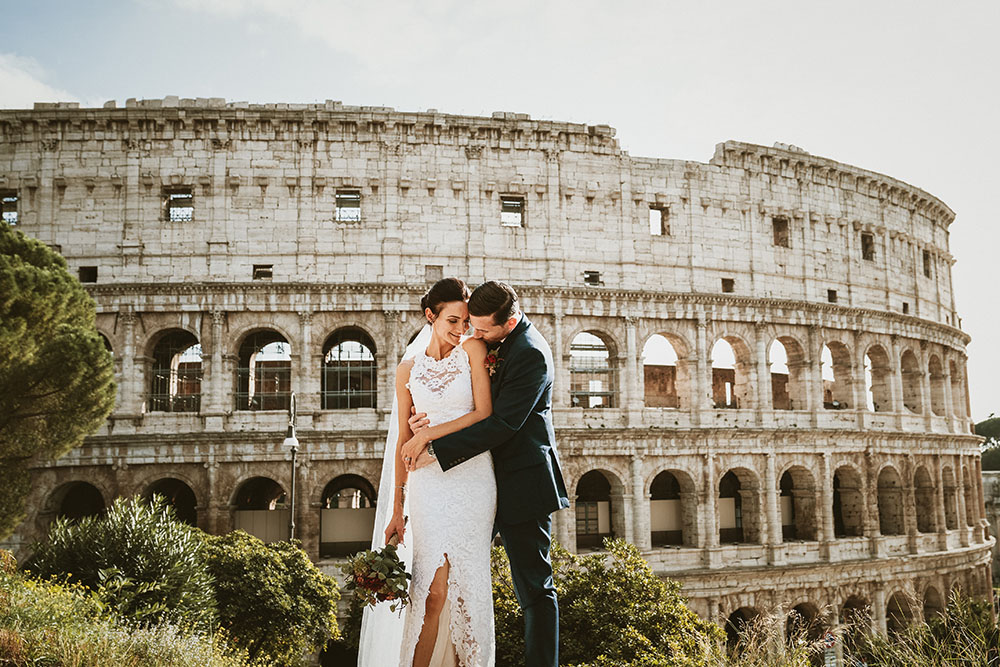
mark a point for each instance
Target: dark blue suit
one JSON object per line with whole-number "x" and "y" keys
{"x": 530, "y": 486}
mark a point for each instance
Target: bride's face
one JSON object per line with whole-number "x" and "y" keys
{"x": 451, "y": 322}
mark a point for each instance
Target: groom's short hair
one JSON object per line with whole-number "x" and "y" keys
{"x": 496, "y": 298}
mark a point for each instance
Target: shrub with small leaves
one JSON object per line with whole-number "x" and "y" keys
{"x": 143, "y": 563}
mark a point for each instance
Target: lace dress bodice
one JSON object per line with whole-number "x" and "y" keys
{"x": 451, "y": 515}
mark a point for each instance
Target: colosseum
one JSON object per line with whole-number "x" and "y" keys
{"x": 761, "y": 373}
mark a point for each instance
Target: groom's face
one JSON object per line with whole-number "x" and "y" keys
{"x": 491, "y": 332}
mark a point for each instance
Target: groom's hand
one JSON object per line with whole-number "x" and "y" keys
{"x": 425, "y": 459}
{"x": 418, "y": 421}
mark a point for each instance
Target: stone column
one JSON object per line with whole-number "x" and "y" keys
{"x": 925, "y": 388}
{"x": 858, "y": 379}
{"x": 562, "y": 527}
{"x": 963, "y": 524}
{"x": 763, "y": 383}
{"x": 878, "y": 611}
{"x": 560, "y": 391}
{"x": 949, "y": 405}
{"x": 710, "y": 511}
{"x": 133, "y": 378}
{"x": 702, "y": 386}
{"x": 910, "y": 510}
{"x": 813, "y": 372}
{"x": 307, "y": 398}
{"x": 640, "y": 506}
{"x": 392, "y": 351}
{"x": 633, "y": 384}
{"x": 216, "y": 384}
{"x": 896, "y": 383}
{"x": 939, "y": 501}
{"x": 775, "y": 547}
{"x": 828, "y": 531}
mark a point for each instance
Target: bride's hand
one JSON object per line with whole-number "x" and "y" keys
{"x": 412, "y": 447}
{"x": 397, "y": 526}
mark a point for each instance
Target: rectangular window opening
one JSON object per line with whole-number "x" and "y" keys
{"x": 780, "y": 229}
{"x": 659, "y": 224}
{"x": 263, "y": 271}
{"x": 867, "y": 247}
{"x": 178, "y": 205}
{"x": 906, "y": 308}
{"x": 728, "y": 285}
{"x": 927, "y": 264}
{"x": 88, "y": 274}
{"x": 831, "y": 295}
{"x": 8, "y": 207}
{"x": 592, "y": 278}
{"x": 511, "y": 211}
{"x": 348, "y": 206}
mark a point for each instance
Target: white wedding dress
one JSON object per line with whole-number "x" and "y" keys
{"x": 450, "y": 513}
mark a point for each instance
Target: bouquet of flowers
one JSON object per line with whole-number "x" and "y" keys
{"x": 378, "y": 576}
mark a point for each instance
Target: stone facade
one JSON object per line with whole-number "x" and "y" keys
{"x": 842, "y": 475}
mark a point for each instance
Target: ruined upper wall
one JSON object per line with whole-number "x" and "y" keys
{"x": 264, "y": 180}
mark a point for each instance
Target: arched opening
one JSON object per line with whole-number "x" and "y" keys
{"x": 936, "y": 372}
{"x": 349, "y": 372}
{"x": 661, "y": 374}
{"x": 107, "y": 343}
{"x": 856, "y": 618}
{"x": 593, "y": 510}
{"x": 910, "y": 368}
{"x": 798, "y": 504}
{"x": 591, "y": 372}
{"x": 957, "y": 391}
{"x": 730, "y": 381}
{"x": 878, "y": 377}
{"x": 264, "y": 375}
{"x": 836, "y": 371}
{"x": 673, "y": 509}
{"x": 739, "y": 507}
{"x": 971, "y": 497}
{"x": 77, "y": 500}
{"x": 898, "y": 614}
{"x": 848, "y": 503}
{"x": 175, "y": 378}
{"x": 177, "y": 494}
{"x": 933, "y": 604}
{"x": 950, "y": 498}
{"x": 787, "y": 363}
{"x": 261, "y": 509}
{"x": 347, "y": 517}
{"x": 923, "y": 490}
{"x": 803, "y": 622}
{"x": 737, "y": 625}
{"x": 890, "y": 502}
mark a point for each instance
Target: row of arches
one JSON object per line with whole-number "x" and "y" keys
{"x": 349, "y": 374}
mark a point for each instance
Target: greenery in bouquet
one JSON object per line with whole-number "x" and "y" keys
{"x": 378, "y": 576}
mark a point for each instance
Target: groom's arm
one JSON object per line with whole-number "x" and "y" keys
{"x": 525, "y": 380}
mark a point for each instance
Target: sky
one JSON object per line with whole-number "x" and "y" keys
{"x": 905, "y": 89}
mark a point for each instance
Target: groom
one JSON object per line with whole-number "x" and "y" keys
{"x": 520, "y": 436}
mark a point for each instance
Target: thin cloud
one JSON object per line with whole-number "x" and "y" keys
{"x": 22, "y": 84}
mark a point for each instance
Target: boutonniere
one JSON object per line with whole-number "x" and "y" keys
{"x": 493, "y": 360}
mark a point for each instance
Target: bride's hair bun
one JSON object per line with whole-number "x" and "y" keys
{"x": 444, "y": 291}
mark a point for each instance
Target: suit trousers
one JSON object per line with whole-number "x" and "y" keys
{"x": 527, "y": 544}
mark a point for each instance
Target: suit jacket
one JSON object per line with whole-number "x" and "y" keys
{"x": 519, "y": 433}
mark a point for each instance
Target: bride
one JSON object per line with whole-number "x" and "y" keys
{"x": 449, "y": 621}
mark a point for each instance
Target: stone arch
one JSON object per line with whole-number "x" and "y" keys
{"x": 107, "y": 342}
{"x": 347, "y": 516}
{"x": 890, "y": 502}
{"x": 673, "y": 509}
{"x": 937, "y": 378}
{"x": 737, "y": 625}
{"x": 76, "y": 499}
{"x": 593, "y": 370}
{"x": 971, "y": 496}
{"x": 260, "y": 507}
{"x": 797, "y": 498}
{"x": 264, "y": 371}
{"x": 878, "y": 379}
{"x": 855, "y": 616}
{"x": 178, "y": 494}
{"x": 665, "y": 376}
{"x": 731, "y": 363}
{"x": 934, "y": 605}
{"x": 950, "y": 497}
{"x": 349, "y": 371}
{"x": 739, "y": 507}
{"x": 898, "y": 612}
{"x": 787, "y": 362}
{"x": 804, "y": 621}
{"x": 909, "y": 366}
{"x": 599, "y": 508}
{"x": 848, "y": 502}
{"x": 957, "y": 390}
{"x": 175, "y": 371}
{"x": 923, "y": 496}
{"x": 837, "y": 374}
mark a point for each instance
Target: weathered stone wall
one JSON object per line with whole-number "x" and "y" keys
{"x": 884, "y": 500}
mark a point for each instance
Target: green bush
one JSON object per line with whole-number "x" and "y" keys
{"x": 49, "y": 623}
{"x": 141, "y": 562}
{"x": 613, "y": 611}
{"x": 272, "y": 600}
